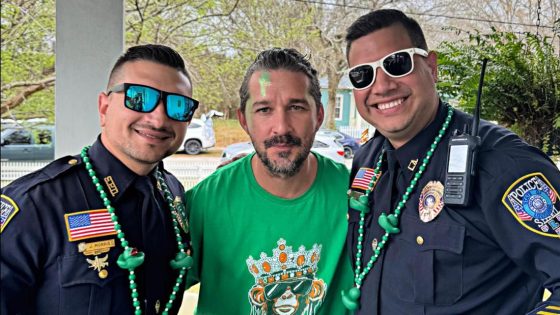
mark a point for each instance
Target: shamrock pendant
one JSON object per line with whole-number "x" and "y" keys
{"x": 361, "y": 204}
{"x": 130, "y": 259}
{"x": 389, "y": 223}
{"x": 181, "y": 260}
{"x": 350, "y": 300}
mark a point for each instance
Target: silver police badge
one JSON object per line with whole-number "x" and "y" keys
{"x": 431, "y": 201}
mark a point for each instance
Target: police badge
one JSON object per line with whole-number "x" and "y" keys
{"x": 430, "y": 202}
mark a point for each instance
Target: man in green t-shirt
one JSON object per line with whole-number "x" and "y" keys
{"x": 268, "y": 231}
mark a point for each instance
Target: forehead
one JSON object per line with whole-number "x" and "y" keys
{"x": 154, "y": 74}
{"x": 265, "y": 84}
{"x": 378, "y": 44}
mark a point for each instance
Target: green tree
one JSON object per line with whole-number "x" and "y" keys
{"x": 27, "y": 74}
{"x": 522, "y": 82}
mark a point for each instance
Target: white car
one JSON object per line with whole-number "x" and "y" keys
{"x": 200, "y": 136}
{"x": 323, "y": 145}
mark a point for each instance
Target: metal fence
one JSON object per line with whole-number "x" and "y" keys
{"x": 188, "y": 171}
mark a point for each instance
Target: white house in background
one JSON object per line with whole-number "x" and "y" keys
{"x": 347, "y": 118}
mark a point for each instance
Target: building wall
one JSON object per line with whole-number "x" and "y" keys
{"x": 347, "y": 108}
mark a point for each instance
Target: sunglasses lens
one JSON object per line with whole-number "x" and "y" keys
{"x": 398, "y": 64}
{"x": 273, "y": 291}
{"x": 141, "y": 99}
{"x": 180, "y": 108}
{"x": 361, "y": 76}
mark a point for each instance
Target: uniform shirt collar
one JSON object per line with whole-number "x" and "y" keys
{"x": 114, "y": 175}
{"x": 410, "y": 155}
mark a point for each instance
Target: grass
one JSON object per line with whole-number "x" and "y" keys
{"x": 228, "y": 131}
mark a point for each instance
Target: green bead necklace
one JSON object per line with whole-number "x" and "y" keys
{"x": 388, "y": 222}
{"x": 131, "y": 257}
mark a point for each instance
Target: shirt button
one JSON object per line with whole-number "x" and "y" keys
{"x": 103, "y": 274}
{"x": 419, "y": 240}
{"x": 73, "y": 162}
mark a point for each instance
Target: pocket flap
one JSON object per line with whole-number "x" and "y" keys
{"x": 432, "y": 235}
{"x": 75, "y": 270}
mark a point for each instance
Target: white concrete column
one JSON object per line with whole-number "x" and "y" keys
{"x": 89, "y": 38}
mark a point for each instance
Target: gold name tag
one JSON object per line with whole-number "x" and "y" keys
{"x": 96, "y": 248}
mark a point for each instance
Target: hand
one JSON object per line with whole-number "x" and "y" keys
{"x": 235, "y": 158}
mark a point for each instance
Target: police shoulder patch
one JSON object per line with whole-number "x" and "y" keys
{"x": 8, "y": 211}
{"x": 535, "y": 204}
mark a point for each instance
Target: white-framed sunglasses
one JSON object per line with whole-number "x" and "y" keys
{"x": 396, "y": 64}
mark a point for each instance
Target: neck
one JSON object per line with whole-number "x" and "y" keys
{"x": 139, "y": 168}
{"x": 286, "y": 187}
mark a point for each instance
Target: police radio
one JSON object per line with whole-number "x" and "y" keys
{"x": 461, "y": 157}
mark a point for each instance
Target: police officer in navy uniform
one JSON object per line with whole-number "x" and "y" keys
{"x": 412, "y": 252}
{"x": 104, "y": 232}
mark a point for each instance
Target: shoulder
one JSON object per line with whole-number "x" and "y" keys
{"x": 329, "y": 166}
{"x": 19, "y": 194}
{"x": 55, "y": 170}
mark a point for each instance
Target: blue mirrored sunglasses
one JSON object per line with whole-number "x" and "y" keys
{"x": 144, "y": 99}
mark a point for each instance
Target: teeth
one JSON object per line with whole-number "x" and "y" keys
{"x": 392, "y": 104}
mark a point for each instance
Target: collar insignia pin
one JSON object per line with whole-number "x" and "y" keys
{"x": 113, "y": 190}
{"x": 412, "y": 165}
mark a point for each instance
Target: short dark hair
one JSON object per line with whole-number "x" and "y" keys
{"x": 285, "y": 59}
{"x": 378, "y": 19}
{"x": 161, "y": 54}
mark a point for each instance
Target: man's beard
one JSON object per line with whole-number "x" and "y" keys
{"x": 292, "y": 166}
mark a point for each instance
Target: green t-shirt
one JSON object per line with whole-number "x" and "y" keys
{"x": 256, "y": 253}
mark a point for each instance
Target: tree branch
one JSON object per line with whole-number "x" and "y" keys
{"x": 30, "y": 88}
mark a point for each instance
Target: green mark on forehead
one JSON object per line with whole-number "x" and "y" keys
{"x": 264, "y": 82}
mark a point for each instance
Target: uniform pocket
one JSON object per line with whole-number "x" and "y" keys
{"x": 86, "y": 288}
{"x": 426, "y": 261}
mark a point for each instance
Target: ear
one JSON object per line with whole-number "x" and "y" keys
{"x": 320, "y": 116}
{"x": 242, "y": 120}
{"x": 102, "y": 106}
{"x": 256, "y": 295}
{"x": 432, "y": 63}
{"x": 317, "y": 290}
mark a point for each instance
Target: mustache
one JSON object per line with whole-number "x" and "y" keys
{"x": 283, "y": 139}
{"x": 165, "y": 130}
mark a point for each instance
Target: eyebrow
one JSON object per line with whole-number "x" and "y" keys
{"x": 290, "y": 101}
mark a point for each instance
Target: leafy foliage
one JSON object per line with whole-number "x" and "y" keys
{"x": 521, "y": 86}
{"x": 28, "y": 29}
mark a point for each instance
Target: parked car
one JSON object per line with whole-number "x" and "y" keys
{"x": 325, "y": 146}
{"x": 350, "y": 144}
{"x": 36, "y": 143}
{"x": 200, "y": 136}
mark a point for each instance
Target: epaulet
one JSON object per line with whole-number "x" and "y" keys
{"x": 12, "y": 195}
{"x": 50, "y": 171}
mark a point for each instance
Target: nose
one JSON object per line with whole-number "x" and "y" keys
{"x": 158, "y": 116}
{"x": 288, "y": 294}
{"x": 383, "y": 83}
{"x": 281, "y": 124}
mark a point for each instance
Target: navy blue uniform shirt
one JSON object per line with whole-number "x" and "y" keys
{"x": 59, "y": 257}
{"x": 494, "y": 256}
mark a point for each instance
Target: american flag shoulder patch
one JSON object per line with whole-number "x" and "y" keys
{"x": 362, "y": 178}
{"x": 89, "y": 224}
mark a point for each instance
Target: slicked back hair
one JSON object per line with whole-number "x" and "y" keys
{"x": 160, "y": 54}
{"x": 281, "y": 59}
{"x": 378, "y": 19}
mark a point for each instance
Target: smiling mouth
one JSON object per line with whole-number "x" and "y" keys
{"x": 391, "y": 104}
{"x": 286, "y": 309}
{"x": 153, "y": 135}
